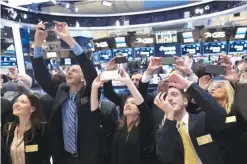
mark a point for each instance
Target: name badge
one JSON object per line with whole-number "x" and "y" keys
{"x": 204, "y": 139}
{"x": 32, "y": 148}
{"x": 231, "y": 119}
{"x": 84, "y": 100}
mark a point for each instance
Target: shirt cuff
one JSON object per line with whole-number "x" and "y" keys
{"x": 38, "y": 52}
{"x": 146, "y": 78}
{"x": 77, "y": 49}
{"x": 190, "y": 83}
{"x": 193, "y": 78}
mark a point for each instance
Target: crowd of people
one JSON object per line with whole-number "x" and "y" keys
{"x": 191, "y": 118}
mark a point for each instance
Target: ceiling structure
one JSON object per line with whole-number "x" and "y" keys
{"x": 118, "y": 6}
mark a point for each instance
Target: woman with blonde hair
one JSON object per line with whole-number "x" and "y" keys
{"x": 231, "y": 140}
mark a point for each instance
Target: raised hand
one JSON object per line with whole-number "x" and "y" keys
{"x": 205, "y": 81}
{"x": 231, "y": 74}
{"x": 181, "y": 65}
{"x": 163, "y": 103}
{"x": 111, "y": 65}
{"x": 124, "y": 77}
{"x": 40, "y": 34}
{"x": 224, "y": 59}
{"x": 153, "y": 65}
{"x": 97, "y": 83}
{"x": 178, "y": 81}
{"x": 62, "y": 30}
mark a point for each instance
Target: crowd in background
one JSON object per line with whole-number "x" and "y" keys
{"x": 191, "y": 118}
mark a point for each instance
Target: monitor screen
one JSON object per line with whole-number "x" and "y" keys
{"x": 214, "y": 48}
{"x": 95, "y": 56}
{"x": 191, "y": 48}
{"x": 167, "y": 49}
{"x": 241, "y": 33}
{"x": 7, "y": 61}
{"x": 67, "y": 61}
{"x": 188, "y": 37}
{"x": 238, "y": 46}
{"x": 120, "y": 42}
{"x": 147, "y": 51}
{"x": 104, "y": 55}
{"x": 123, "y": 51}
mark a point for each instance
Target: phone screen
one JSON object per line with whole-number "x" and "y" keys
{"x": 167, "y": 60}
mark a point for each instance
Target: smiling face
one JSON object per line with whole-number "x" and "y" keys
{"x": 22, "y": 107}
{"x": 74, "y": 75}
{"x": 130, "y": 108}
{"x": 176, "y": 99}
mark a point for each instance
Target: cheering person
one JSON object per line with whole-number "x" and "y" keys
{"x": 132, "y": 133}
{"x": 24, "y": 140}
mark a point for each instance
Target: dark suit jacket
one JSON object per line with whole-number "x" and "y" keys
{"x": 6, "y": 111}
{"x": 90, "y": 139}
{"x": 41, "y": 156}
{"x": 169, "y": 147}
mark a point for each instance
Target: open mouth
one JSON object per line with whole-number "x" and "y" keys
{"x": 17, "y": 109}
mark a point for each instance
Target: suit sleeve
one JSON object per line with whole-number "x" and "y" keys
{"x": 215, "y": 113}
{"x": 111, "y": 95}
{"x": 43, "y": 76}
{"x": 165, "y": 141}
{"x": 88, "y": 70}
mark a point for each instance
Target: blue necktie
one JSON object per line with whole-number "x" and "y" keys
{"x": 72, "y": 125}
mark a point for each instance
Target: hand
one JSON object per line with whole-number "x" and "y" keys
{"x": 153, "y": 65}
{"x": 224, "y": 59}
{"x": 182, "y": 66}
{"x": 40, "y": 35}
{"x": 164, "y": 105}
{"x": 178, "y": 81}
{"x": 205, "y": 81}
{"x": 124, "y": 77}
{"x": 97, "y": 83}
{"x": 62, "y": 30}
{"x": 111, "y": 65}
{"x": 231, "y": 74}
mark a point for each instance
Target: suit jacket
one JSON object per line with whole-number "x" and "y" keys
{"x": 169, "y": 146}
{"x": 90, "y": 139}
{"x": 40, "y": 156}
{"x": 6, "y": 111}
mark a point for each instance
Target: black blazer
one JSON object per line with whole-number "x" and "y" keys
{"x": 90, "y": 139}
{"x": 169, "y": 146}
{"x": 132, "y": 147}
{"x": 41, "y": 156}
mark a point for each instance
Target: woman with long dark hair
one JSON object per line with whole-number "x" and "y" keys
{"x": 132, "y": 134}
{"x": 24, "y": 139}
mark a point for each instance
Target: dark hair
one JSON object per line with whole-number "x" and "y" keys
{"x": 37, "y": 117}
{"x": 135, "y": 73}
{"x": 58, "y": 78}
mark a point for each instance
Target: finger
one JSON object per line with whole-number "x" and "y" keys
{"x": 162, "y": 97}
{"x": 173, "y": 85}
{"x": 45, "y": 23}
{"x": 223, "y": 76}
{"x": 41, "y": 22}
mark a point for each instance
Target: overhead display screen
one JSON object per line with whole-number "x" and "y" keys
{"x": 214, "y": 34}
{"x": 241, "y": 33}
{"x": 105, "y": 55}
{"x": 194, "y": 49}
{"x": 8, "y": 61}
{"x": 144, "y": 41}
{"x": 237, "y": 46}
{"x": 147, "y": 51}
{"x": 167, "y": 49}
{"x": 95, "y": 56}
{"x": 101, "y": 44}
{"x": 123, "y": 51}
{"x": 214, "y": 48}
{"x": 120, "y": 42}
{"x": 166, "y": 37}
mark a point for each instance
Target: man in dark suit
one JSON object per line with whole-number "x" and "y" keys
{"x": 74, "y": 137}
{"x": 187, "y": 138}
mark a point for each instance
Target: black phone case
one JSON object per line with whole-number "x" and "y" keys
{"x": 215, "y": 69}
{"x": 120, "y": 60}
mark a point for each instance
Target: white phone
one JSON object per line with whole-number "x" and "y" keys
{"x": 109, "y": 75}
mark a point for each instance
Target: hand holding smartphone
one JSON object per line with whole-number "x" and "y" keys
{"x": 215, "y": 69}
{"x": 167, "y": 60}
{"x": 121, "y": 59}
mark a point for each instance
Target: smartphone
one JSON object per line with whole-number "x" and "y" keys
{"x": 215, "y": 69}
{"x": 167, "y": 61}
{"x": 48, "y": 26}
{"x": 109, "y": 75}
{"x": 121, "y": 59}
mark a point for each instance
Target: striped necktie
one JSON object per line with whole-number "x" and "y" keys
{"x": 72, "y": 125}
{"x": 189, "y": 154}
